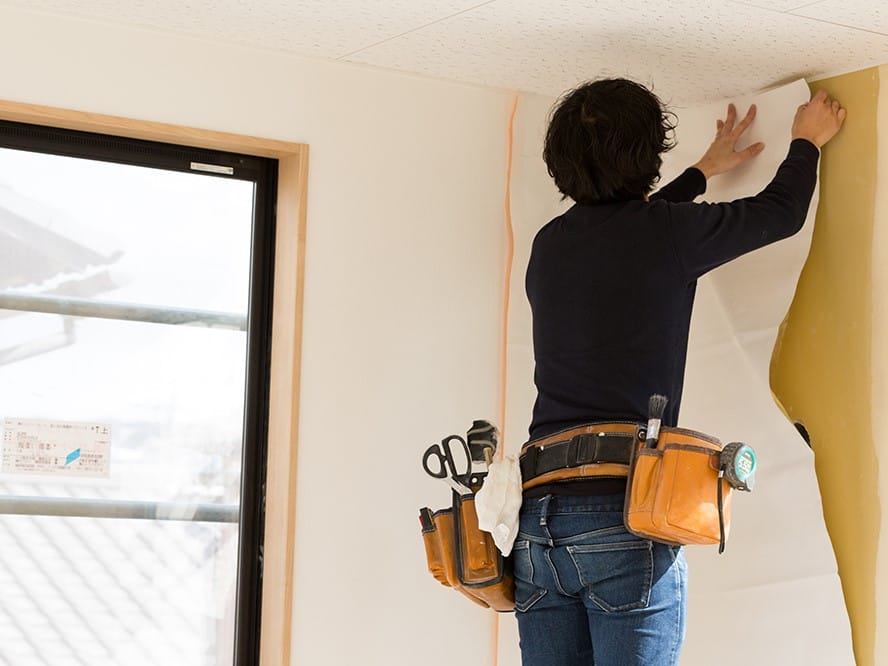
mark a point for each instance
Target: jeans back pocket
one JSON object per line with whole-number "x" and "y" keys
{"x": 616, "y": 576}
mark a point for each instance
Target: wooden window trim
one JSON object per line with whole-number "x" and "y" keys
{"x": 286, "y": 339}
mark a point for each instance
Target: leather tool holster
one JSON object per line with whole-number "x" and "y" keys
{"x": 461, "y": 556}
{"x": 676, "y": 493}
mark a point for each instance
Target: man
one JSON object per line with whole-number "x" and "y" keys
{"x": 611, "y": 285}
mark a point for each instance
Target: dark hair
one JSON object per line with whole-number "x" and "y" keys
{"x": 605, "y": 139}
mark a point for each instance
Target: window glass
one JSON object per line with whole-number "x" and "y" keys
{"x": 139, "y": 243}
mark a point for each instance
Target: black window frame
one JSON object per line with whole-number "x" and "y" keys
{"x": 263, "y": 172}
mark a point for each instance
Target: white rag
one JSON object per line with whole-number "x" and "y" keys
{"x": 498, "y": 502}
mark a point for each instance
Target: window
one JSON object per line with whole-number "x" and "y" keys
{"x": 135, "y": 299}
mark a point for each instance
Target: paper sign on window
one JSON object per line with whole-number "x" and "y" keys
{"x": 69, "y": 448}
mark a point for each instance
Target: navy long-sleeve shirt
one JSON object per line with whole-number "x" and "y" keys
{"x": 611, "y": 287}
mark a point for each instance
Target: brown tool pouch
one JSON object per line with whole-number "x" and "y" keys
{"x": 462, "y": 556}
{"x": 675, "y": 491}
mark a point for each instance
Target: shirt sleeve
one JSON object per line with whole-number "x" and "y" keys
{"x": 706, "y": 235}
{"x": 686, "y": 187}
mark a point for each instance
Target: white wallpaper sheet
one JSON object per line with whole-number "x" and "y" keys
{"x": 774, "y": 597}
{"x": 776, "y": 588}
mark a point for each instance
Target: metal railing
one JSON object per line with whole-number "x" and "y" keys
{"x": 73, "y": 507}
{"x": 84, "y": 307}
{"x": 98, "y": 508}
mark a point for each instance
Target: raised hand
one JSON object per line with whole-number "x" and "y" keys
{"x": 819, "y": 120}
{"x": 722, "y": 156}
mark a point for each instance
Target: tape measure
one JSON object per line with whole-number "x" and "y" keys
{"x": 738, "y": 464}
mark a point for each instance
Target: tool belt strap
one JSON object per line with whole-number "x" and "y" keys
{"x": 599, "y": 444}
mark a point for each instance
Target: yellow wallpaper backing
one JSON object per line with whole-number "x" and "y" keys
{"x": 821, "y": 370}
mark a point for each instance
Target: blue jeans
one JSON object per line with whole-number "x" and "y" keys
{"x": 589, "y": 592}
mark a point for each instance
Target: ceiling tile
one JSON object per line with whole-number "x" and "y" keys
{"x": 863, "y": 14}
{"x": 777, "y": 5}
{"x": 690, "y": 50}
{"x": 319, "y": 28}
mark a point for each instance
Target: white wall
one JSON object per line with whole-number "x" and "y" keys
{"x": 402, "y": 307}
{"x": 535, "y": 201}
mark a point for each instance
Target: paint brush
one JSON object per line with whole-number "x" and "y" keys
{"x": 482, "y": 439}
{"x": 656, "y": 408}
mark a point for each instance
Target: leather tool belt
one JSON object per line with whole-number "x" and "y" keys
{"x": 675, "y": 492}
{"x": 591, "y": 450}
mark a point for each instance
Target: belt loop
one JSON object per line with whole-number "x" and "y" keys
{"x": 544, "y": 501}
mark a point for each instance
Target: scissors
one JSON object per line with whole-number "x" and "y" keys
{"x": 446, "y": 467}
